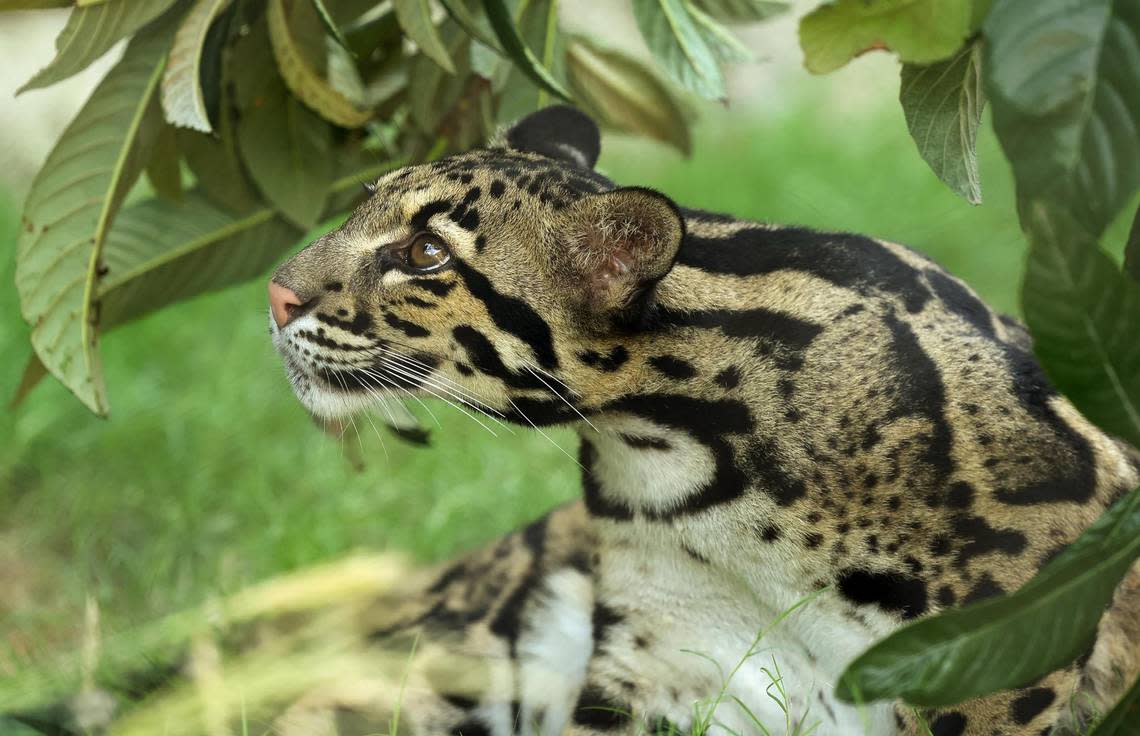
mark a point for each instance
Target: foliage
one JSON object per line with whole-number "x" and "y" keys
{"x": 277, "y": 108}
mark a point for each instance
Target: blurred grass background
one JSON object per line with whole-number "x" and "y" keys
{"x": 209, "y": 476}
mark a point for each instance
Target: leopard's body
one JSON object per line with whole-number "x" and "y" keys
{"x": 768, "y": 417}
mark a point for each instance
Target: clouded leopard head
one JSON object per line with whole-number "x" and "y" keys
{"x": 507, "y": 278}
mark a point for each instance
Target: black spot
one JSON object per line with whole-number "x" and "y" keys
{"x": 412, "y": 435}
{"x": 485, "y": 359}
{"x": 946, "y": 596}
{"x": 435, "y": 286}
{"x": 981, "y": 538}
{"x": 471, "y": 728}
{"x": 767, "y": 464}
{"x": 640, "y": 442}
{"x": 480, "y": 244}
{"x": 960, "y": 495}
{"x": 358, "y": 325}
{"x": 415, "y": 301}
{"x": 985, "y": 587}
{"x": 497, "y": 188}
{"x": 506, "y": 622}
{"x": 770, "y": 533}
{"x": 597, "y": 711}
{"x": 961, "y": 302}
{"x": 890, "y": 591}
{"x": 813, "y": 540}
{"x": 729, "y": 378}
{"x": 470, "y": 220}
{"x": 609, "y": 363}
{"x": 673, "y": 367}
{"x": 411, "y": 329}
{"x": 334, "y": 286}
{"x": 919, "y": 391}
{"x": 850, "y": 261}
{"x": 511, "y": 315}
{"x": 948, "y": 724}
{"x": 596, "y": 503}
{"x": 780, "y": 335}
{"x": 464, "y": 369}
{"x": 603, "y": 619}
{"x": 1030, "y": 704}
{"x": 419, "y": 221}
{"x": 1070, "y": 474}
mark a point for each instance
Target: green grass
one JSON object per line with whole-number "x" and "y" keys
{"x": 209, "y": 476}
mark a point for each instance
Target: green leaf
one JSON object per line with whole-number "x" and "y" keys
{"x": 1122, "y": 720}
{"x": 620, "y": 92}
{"x": 330, "y": 24}
{"x": 918, "y": 31}
{"x": 943, "y": 106}
{"x": 537, "y": 23}
{"x": 216, "y": 164}
{"x": 741, "y": 11}
{"x": 161, "y": 252}
{"x": 1064, "y": 82}
{"x": 304, "y": 81}
{"x": 91, "y": 32}
{"x": 1132, "y": 249}
{"x": 517, "y": 50}
{"x": 164, "y": 169}
{"x": 679, "y": 43}
{"x": 182, "y": 99}
{"x": 476, "y": 28}
{"x": 1084, "y": 315}
{"x": 285, "y": 146}
{"x": 33, "y": 4}
{"x": 71, "y": 205}
{"x": 415, "y": 19}
{"x": 1008, "y": 641}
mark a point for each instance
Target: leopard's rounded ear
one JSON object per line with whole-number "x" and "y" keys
{"x": 619, "y": 244}
{"x": 560, "y": 132}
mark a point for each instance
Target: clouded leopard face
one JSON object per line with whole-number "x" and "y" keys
{"x": 489, "y": 278}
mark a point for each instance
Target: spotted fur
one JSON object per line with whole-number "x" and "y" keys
{"x": 767, "y": 416}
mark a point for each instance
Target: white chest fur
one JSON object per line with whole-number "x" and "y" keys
{"x": 719, "y": 627}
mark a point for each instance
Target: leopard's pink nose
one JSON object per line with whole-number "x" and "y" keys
{"x": 284, "y": 304}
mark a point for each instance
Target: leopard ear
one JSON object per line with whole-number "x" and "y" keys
{"x": 620, "y": 244}
{"x": 560, "y": 132}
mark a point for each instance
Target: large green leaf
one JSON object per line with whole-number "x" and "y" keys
{"x": 679, "y": 42}
{"x": 71, "y": 206}
{"x": 182, "y": 99}
{"x": 623, "y": 94}
{"x": 1084, "y": 314}
{"x": 161, "y": 252}
{"x": 1063, "y": 77}
{"x": 943, "y": 106}
{"x": 741, "y": 11}
{"x": 1008, "y": 641}
{"x": 476, "y": 27}
{"x": 537, "y": 22}
{"x": 164, "y": 168}
{"x": 91, "y": 32}
{"x": 302, "y": 79}
{"x": 415, "y": 19}
{"x": 513, "y": 45}
{"x": 918, "y": 31}
{"x": 286, "y": 146}
{"x": 1124, "y": 718}
{"x": 1132, "y": 248}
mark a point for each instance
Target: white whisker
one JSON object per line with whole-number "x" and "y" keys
{"x": 544, "y": 434}
{"x": 564, "y": 399}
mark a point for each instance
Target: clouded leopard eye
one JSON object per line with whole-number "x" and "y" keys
{"x": 427, "y": 253}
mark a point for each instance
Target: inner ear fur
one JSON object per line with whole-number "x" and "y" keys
{"x": 620, "y": 244}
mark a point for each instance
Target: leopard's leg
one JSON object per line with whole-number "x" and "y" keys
{"x": 502, "y": 641}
